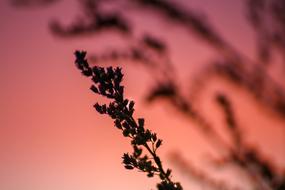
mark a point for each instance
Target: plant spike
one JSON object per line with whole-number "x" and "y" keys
{"x": 107, "y": 83}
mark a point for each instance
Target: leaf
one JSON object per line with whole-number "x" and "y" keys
{"x": 131, "y": 105}
{"x": 158, "y": 144}
{"x": 118, "y": 124}
{"x": 154, "y": 137}
{"x": 150, "y": 174}
{"x": 168, "y": 172}
{"x": 94, "y": 89}
{"x": 129, "y": 167}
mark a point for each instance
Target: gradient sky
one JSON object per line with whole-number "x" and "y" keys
{"x": 52, "y": 139}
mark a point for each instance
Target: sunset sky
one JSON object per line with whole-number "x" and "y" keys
{"x": 52, "y": 139}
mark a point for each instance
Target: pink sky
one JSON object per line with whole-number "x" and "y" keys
{"x": 52, "y": 139}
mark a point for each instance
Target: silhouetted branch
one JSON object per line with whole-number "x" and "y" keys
{"x": 107, "y": 83}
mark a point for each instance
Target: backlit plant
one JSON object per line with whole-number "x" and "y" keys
{"x": 107, "y": 83}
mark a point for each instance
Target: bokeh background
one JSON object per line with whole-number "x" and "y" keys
{"x": 52, "y": 139}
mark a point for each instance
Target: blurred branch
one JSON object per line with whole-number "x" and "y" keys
{"x": 32, "y": 3}
{"x": 94, "y": 20}
{"x": 197, "y": 175}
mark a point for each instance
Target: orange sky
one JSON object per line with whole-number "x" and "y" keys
{"x": 52, "y": 139}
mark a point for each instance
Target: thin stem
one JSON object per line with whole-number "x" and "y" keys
{"x": 158, "y": 162}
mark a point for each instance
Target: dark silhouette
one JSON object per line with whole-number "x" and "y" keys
{"x": 107, "y": 83}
